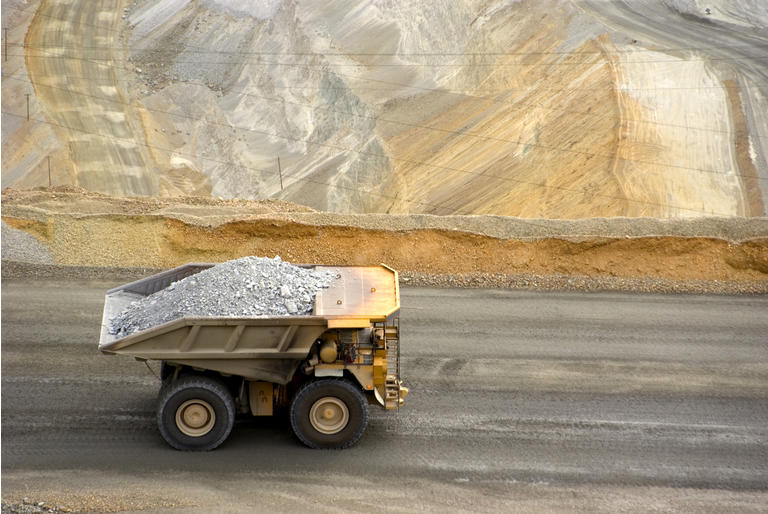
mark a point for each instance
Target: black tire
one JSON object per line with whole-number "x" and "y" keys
{"x": 347, "y": 411}
{"x": 166, "y": 371}
{"x": 195, "y": 413}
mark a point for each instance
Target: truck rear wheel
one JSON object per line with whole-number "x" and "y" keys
{"x": 329, "y": 413}
{"x": 195, "y": 413}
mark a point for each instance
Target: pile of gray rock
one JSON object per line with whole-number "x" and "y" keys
{"x": 17, "y": 245}
{"x": 251, "y": 286}
{"x": 31, "y": 507}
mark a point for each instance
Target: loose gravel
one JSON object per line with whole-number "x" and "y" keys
{"x": 31, "y": 507}
{"x": 17, "y": 245}
{"x": 114, "y": 276}
{"x": 583, "y": 283}
{"x": 251, "y": 286}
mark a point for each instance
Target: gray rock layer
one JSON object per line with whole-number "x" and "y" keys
{"x": 17, "y": 245}
{"x": 251, "y": 286}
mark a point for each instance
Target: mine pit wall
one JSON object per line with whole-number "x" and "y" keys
{"x": 163, "y": 242}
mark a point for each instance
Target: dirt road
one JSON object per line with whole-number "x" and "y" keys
{"x": 75, "y": 62}
{"x": 739, "y": 49}
{"x": 520, "y": 400}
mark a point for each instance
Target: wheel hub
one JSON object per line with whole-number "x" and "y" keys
{"x": 329, "y": 415}
{"x": 195, "y": 418}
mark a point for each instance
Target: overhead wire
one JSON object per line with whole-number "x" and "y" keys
{"x": 327, "y": 65}
{"x": 485, "y": 98}
{"x": 400, "y": 53}
{"x": 406, "y": 53}
{"x": 472, "y": 135}
{"x": 424, "y": 127}
{"x": 411, "y": 125}
{"x": 297, "y": 179}
{"x": 379, "y": 156}
{"x": 176, "y": 151}
{"x": 102, "y": 27}
{"x": 762, "y": 43}
{"x": 402, "y": 85}
{"x": 359, "y": 190}
{"x": 517, "y": 103}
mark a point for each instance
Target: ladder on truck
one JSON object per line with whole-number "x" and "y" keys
{"x": 393, "y": 382}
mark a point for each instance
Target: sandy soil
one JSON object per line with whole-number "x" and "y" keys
{"x": 335, "y": 494}
{"x": 87, "y": 229}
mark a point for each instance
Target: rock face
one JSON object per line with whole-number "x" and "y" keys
{"x": 529, "y": 108}
{"x": 250, "y": 286}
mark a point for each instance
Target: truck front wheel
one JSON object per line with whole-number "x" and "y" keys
{"x": 329, "y": 413}
{"x": 195, "y": 413}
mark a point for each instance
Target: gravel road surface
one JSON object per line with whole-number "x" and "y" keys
{"x": 543, "y": 402}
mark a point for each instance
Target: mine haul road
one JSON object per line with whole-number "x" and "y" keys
{"x": 743, "y": 49}
{"x": 519, "y": 400}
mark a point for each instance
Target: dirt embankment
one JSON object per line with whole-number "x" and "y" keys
{"x": 85, "y": 229}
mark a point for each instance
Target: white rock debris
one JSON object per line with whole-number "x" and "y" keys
{"x": 251, "y": 286}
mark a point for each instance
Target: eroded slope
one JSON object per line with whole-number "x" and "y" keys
{"x": 535, "y": 109}
{"x": 86, "y": 229}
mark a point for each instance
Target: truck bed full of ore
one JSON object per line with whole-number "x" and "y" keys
{"x": 251, "y": 286}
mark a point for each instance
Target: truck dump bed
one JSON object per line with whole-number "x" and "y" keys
{"x": 257, "y": 348}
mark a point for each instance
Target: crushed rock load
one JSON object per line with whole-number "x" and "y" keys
{"x": 251, "y": 286}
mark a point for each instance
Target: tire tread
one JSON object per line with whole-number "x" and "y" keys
{"x": 216, "y": 387}
{"x": 311, "y": 387}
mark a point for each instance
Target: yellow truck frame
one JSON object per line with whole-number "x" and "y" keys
{"x": 326, "y": 368}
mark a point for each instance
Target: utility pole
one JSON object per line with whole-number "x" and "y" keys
{"x": 280, "y": 170}
{"x": 49, "y": 171}
{"x": 27, "y": 95}
{"x": 5, "y": 33}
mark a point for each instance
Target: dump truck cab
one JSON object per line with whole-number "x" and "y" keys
{"x": 326, "y": 368}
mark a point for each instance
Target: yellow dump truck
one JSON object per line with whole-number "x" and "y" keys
{"x": 325, "y": 368}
